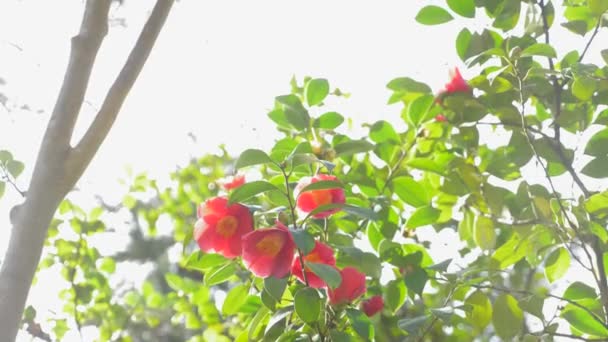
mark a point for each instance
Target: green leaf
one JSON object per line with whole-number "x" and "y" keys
{"x": 511, "y": 251}
{"x": 507, "y": 317}
{"x": 557, "y": 264}
{"x": 249, "y": 190}
{"x": 534, "y": 305}
{"x": 235, "y": 298}
{"x": 579, "y": 291}
{"x": 339, "y": 336}
{"x": 255, "y": 322}
{"x": 295, "y": 113}
{"x": 5, "y": 156}
{"x": 583, "y": 321}
{"x": 395, "y": 293}
{"x": 408, "y": 85}
{"x": 365, "y": 213}
{"x": 480, "y": 314}
{"x": 583, "y": 88}
{"x": 316, "y": 90}
{"x": 433, "y": 15}
{"x": 422, "y": 217}
{"x": 382, "y": 131}
{"x": 576, "y": 26}
{"x": 327, "y": 273}
{"x": 445, "y": 314}
{"x": 308, "y": 304}
{"x": 275, "y": 287}
{"x": 416, "y": 280}
{"x": 15, "y": 167}
{"x": 598, "y": 7}
{"x": 598, "y": 144}
{"x": 361, "y": 323}
{"x": 463, "y": 41}
{"x": 201, "y": 262}
{"x": 323, "y": 208}
{"x": 329, "y": 120}
{"x": 441, "y": 267}
{"x": 303, "y": 240}
{"x": 252, "y": 157}
{"x": 411, "y": 192}
{"x": 605, "y": 55}
{"x": 278, "y": 316}
{"x": 598, "y": 204}
{"x": 465, "y": 8}
{"x": 352, "y": 147}
{"x": 539, "y": 49}
{"x": 484, "y": 234}
{"x": 412, "y": 325}
{"x": 596, "y": 168}
{"x": 322, "y": 185}
{"x": 418, "y": 109}
{"x": 2, "y": 188}
{"x": 220, "y": 274}
{"x": 107, "y": 265}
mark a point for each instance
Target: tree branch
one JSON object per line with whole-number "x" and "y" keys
{"x": 84, "y": 50}
{"x": 89, "y": 144}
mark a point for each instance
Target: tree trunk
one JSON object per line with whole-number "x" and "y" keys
{"x": 59, "y": 166}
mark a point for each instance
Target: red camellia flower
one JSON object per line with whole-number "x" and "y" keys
{"x": 322, "y": 254}
{"x": 220, "y": 226}
{"x": 269, "y": 251}
{"x": 234, "y": 182}
{"x": 310, "y": 200}
{"x": 373, "y": 305}
{"x": 351, "y": 287}
{"x": 457, "y": 84}
{"x": 441, "y": 118}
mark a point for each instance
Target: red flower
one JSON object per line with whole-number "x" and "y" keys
{"x": 457, "y": 84}
{"x": 323, "y": 254}
{"x": 373, "y": 305}
{"x": 351, "y": 287}
{"x": 220, "y": 226}
{"x": 234, "y": 182}
{"x": 269, "y": 251}
{"x": 310, "y": 200}
{"x": 441, "y": 118}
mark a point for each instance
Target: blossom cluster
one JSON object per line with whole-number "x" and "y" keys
{"x": 228, "y": 229}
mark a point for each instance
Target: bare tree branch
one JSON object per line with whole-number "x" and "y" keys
{"x": 84, "y": 50}
{"x": 89, "y": 144}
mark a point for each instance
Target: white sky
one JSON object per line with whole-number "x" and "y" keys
{"x": 214, "y": 72}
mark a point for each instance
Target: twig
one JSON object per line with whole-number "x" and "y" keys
{"x": 595, "y": 31}
{"x": 8, "y": 179}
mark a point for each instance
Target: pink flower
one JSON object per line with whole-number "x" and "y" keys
{"x": 373, "y": 305}
{"x": 220, "y": 226}
{"x": 310, "y": 200}
{"x": 322, "y": 254}
{"x": 440, "y": 118}
{"x": 234, "y": 182}
{"x": 269, "y": 251}
{"x": 457, "y": 84}
{"x": 351, "y": 287}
